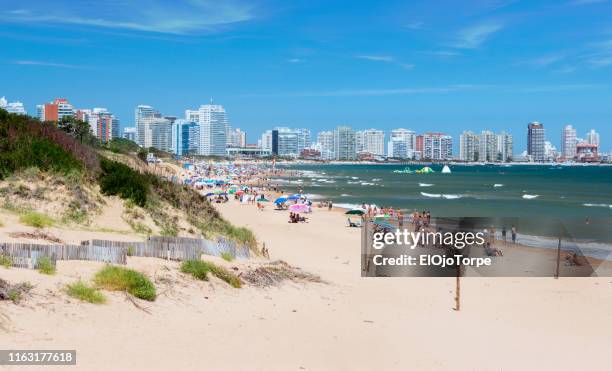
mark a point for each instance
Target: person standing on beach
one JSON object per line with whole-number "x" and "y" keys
{"x": 513, "y": 234}
{"x": 330, "y": 205}
{"x": 504, "y": 234}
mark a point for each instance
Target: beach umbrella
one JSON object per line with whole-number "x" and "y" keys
{"x": 232, "y": 191}
{"x": 280, "y": 200}
{"x": 262, "y": 200}
{"x": 354, "y": 212}
{"x": 209, "y": 194}
{"x": 298, "y": 208}
{"x": 294, "y": 197}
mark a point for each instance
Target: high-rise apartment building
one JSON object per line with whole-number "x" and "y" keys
{"x": 12, "y": 107}
{"x": 592, "y": 137}
{"x": 285, "y": 142}
{"x": 568, "y": 142}
{"x": 55, "y": 111}
{"x": 265, "y": 143}
{"x": 185, "y": 137}
{"x": 325, "y": 142}
{"x": 487, "y": 146}
{"x": 213, "y": 122}
{"x": 344, "y": 143}
{"x": 143, "y": 115}
{"x": 158, "y": 134}
{"x": 236, "y": 138}
{"x": 104, "y": 124}
{"x": 437, "y": 146}
{"x": 535, "y": 141}
{"x": 505, "y": 147}
{"x": 402, "y": 144}
{"x": 304, "y": 139}
{"x": 469, "y": 148}
{"x": 370, "y": 141}
{"x": 129, "y": 133}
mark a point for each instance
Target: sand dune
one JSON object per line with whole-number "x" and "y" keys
{"x": 348, "y": 323}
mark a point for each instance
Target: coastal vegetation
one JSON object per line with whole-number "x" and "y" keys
{"x": 45, "y": 266}
{"x": 6, "y": 261}
{"x": 14, "y": 292}
{"x": 36, "y": 219}
{"x": 200, "y": 269}
{"x": 122, "y": 279}
{"x": 80, "y": 290}
{"x": 67, "y": 155}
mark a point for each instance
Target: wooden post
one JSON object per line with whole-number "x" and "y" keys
{"x": 558, "y": 253}
{"x": 458, "y": 289}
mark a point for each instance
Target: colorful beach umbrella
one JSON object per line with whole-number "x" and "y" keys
{"x": 298, "y": 208}
{"x": 355, "y": 212}
{"x": 280, "y": 200}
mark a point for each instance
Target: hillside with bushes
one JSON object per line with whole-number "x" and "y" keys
{"x": 60, "y": 170}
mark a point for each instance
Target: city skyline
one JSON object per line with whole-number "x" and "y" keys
{"x": 215, "y": 136}
{"x": 492, "y": 65}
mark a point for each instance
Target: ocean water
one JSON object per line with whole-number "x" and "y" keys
{"x": 534, "y": 196}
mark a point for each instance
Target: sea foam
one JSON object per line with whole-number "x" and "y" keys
{"x": 530, "y": 197}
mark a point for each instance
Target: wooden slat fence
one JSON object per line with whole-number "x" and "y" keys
{"x": 26, "y": 255}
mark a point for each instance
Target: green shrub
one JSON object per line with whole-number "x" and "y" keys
{"x": 6, "y": 261}
{"x": 81, "y": 291}
{"x": 200, "y": 268}
{"x": 130, "y": 251}
{"x": 123, "y": 279}
{"x": 121, "y": 180}
{"x": 227, "y": 256}
{"x": 45, "y": 266}
{"x": 35, "y": 219}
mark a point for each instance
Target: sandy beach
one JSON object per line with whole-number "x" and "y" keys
{"x": 346, "y": 323}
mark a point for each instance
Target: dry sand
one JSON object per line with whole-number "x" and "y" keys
{"x": 349, "y": 323}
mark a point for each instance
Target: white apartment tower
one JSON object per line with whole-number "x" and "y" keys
{"x": 213, "y": 122}
{"x": 568, "y": 142}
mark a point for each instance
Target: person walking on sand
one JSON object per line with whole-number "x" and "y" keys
{"x": 513, "y": 234}
{"x": 504, "y": 234}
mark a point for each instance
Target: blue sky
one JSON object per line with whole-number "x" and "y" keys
{"x": 424, "y": 65}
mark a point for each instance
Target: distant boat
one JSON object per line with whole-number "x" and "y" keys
{"x": 446, "y": 170}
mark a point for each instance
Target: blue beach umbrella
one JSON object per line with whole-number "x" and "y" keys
{"x": 280, "y": 200}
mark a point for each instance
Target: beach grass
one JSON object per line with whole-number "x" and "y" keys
{"x": 200, "y": 269}
{"x": 36, "y": 219}
{"x": 6, "y": 261}
{"x": 45, "y": 266}
{"x": 122, "y": 279}
{"x": 227, "y": 256}
{"x": 80, "y": 290}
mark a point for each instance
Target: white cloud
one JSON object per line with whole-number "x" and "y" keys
{"x": 180, "y": 17}
{"x": 472, "y": 37}
{"x": 377, "y": 58}
{"x": 386, "y": 59}
{"x": 45, "y": 64}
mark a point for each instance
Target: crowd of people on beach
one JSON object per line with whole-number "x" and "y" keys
{"x": 252, "y": 185}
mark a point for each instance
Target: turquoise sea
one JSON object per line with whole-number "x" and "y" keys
{"x": 534, "y": 196}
